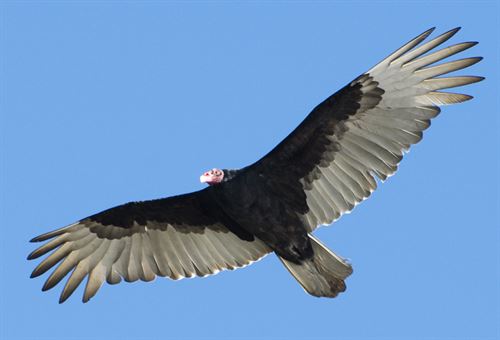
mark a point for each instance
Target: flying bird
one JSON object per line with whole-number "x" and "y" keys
{"x": 331, "y": 162}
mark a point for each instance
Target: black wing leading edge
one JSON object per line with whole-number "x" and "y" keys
{"x": 174, "y": 237}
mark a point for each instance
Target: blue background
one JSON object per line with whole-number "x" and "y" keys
{"x": 107, "y": 102}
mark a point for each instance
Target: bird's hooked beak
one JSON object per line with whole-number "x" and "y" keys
{"x": 204, "y": 178}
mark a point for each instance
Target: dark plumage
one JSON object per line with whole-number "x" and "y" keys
{"x": 327, "y": 165}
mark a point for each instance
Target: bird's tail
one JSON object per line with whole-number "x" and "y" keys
{"x": 323, "y": 274}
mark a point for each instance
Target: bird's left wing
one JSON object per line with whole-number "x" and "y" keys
{"x": 174, "y": 237}
{"x": 330, "y": 161}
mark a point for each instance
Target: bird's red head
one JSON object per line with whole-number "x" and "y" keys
{"x": 214, "y": 176}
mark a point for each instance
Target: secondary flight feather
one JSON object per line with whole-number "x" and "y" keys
{"x": 326, "y": 166}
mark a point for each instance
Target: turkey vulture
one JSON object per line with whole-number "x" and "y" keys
{"x": 321, "y": 170}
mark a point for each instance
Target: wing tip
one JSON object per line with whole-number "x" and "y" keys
{"x": 39, "y": 270}
{"x": 36, "y": 239}
{"x": 472, "y": 60}
{"x": 453, "y": 31}
{"x": 474, "y": 79}
{"x": 54, "y": 233}
{"x": 429, "y": 31}
{"x": 466, "y": 97}
{"x": 468, "y": 44}
{"x": 66, "y": 293}
{"x": 425, "y": 34}
{"x": 475, "y": 60}
{"x": 47, "y": 285}
{"x": 31, "y": 256}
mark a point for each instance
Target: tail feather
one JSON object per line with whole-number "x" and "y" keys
{"x": 323, "y": 274}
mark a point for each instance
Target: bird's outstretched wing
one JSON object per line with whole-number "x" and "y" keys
{"x": 362, "y": 131}
{"x": 175, "y": 237}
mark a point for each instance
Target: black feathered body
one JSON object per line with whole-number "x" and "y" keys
{"x": 268, "y": 197}
{"x": 251, "y": 200}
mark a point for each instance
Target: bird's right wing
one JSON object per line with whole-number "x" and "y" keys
{"x": 175, "y": 237}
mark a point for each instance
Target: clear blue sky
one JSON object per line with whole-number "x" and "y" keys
{"x": 107, "y": 102}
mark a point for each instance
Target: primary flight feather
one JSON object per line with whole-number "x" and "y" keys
{"x": 327, "y": 165}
